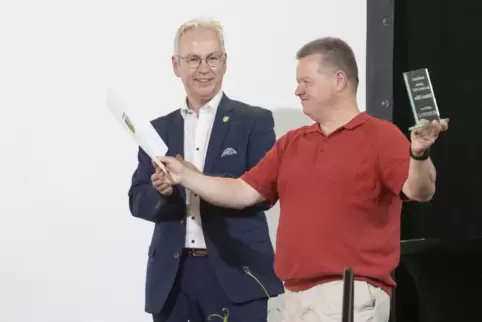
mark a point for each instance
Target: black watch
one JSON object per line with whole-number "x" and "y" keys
{"x": 422, "y": 157}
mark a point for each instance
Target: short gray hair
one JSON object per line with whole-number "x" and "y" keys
{"x": 336, "y": 54}
{"x": 195, "y": 24}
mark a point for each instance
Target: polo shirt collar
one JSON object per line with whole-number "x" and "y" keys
{"x": 353, "y": 123}
{"x": 357, "y": 120}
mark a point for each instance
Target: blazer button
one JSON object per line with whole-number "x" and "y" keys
{"x": 183, "y": 221}
{"x": 175, "y": 255}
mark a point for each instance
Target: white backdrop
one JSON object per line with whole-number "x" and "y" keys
{"x": 69, "y": 249}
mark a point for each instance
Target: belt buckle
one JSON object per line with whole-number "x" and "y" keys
{"x": 198, "y": 252}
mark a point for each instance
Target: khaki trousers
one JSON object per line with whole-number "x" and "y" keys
{"x": 323, "y": 303}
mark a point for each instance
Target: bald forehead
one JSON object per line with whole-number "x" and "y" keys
{"x": 199, "y": 41}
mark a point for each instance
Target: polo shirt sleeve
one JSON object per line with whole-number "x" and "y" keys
{"x": 394, "y": 158}
{"x": 263, "y": 177}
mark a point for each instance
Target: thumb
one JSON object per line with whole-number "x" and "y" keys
{"x": 157, "y": 170}
{"x": 165, "y": 159}
{"x": 180, "y": 159}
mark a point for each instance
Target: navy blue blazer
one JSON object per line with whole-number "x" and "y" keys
{"x": 238, "y": 241}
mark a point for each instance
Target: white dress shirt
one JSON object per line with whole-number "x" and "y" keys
{"x": 197, "y": 132}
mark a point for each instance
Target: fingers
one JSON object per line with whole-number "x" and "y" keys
{"x": 158, "y": 174}
{"x": 171, "y": 160}
{"x": 186, "y": 163}
{"x": 431, "y": 129}
{"x": 167, "y": 160}
{"x": 172, "y": 164}
{"x": 155, "y": 180}
{"x": 444, "y": 123}
{"x": 423, "y": 122}
{"x": 427, "y": 129}
{"x": 157, "y": 169}
{"x": 165, "y": 188}
{"x": 159, "y": 178}
{"x": 161, "y": 183}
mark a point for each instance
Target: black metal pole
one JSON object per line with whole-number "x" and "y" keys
{"x": 348, "y": 295}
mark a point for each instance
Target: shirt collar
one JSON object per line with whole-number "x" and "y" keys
{"x": 353, "y": 123}
{"x": 212, "y": 105}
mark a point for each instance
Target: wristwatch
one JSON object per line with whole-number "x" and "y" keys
{"x": 422, "y": 157}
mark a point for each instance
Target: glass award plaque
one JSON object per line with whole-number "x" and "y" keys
{"x": 421, "y": 95}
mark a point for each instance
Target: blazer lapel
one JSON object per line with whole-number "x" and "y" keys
{"x": 175, "y": 142}
{"x": 176, "y": 135}
{"x": 218, "y": 133}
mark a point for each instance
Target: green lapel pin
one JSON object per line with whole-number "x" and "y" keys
{"x": 225, "y": 119}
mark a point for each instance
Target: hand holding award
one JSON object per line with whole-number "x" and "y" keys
{"x": 425, "y": 111}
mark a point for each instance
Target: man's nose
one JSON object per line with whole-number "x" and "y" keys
{"x": 204, "y": 67}
{"x": 299, "y": 91}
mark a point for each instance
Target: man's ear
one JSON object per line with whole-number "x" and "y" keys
{"x": 175, "y": 66}
{"x": 341, "y": 80}
{"x": 225, "y": 60}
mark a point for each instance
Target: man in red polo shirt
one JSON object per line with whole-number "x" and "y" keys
{"x": 340, "y": 183}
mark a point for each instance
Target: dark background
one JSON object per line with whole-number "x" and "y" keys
{"x": 446, "y": 38}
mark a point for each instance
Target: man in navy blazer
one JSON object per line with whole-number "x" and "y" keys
{"x": 205, "y": 260}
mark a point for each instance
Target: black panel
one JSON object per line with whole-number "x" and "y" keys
{"x": 446, "y": 38}
{"x": 379, "y": 76}
{"x": 441, "y": 254}
{"x": 379, "y": 99}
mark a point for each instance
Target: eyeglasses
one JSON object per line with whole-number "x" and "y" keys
{"x": 212, "y": 60}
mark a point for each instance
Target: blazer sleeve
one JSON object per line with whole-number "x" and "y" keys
{"x": 261, "y": 140}
{"x": 145, "y": 201}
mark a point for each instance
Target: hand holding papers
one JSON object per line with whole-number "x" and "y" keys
{"x": 141, "y": 130}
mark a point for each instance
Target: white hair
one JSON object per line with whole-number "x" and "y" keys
{"x": 195, "y": 24}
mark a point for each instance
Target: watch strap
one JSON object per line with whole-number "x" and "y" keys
{"x": 422, "y": 157}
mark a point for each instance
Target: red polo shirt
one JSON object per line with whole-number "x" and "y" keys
{"x": 339, "y": 199}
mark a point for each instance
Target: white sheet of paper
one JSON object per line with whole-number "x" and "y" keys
{"x": 140, "y": 130}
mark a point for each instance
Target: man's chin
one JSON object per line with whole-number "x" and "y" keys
{"x": 307, "y": 109}
{"x": 206, "y": 93}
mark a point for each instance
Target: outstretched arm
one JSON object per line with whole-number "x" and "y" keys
{"x": 255, "y": 186}
{"x": 222, "y": 192}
